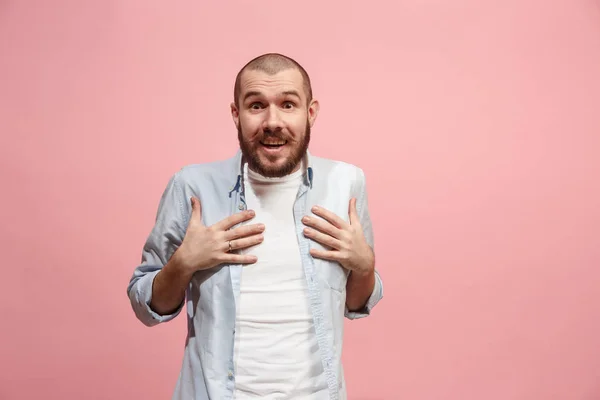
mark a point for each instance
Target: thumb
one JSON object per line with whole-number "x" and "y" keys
{"x": 353, "y": 213}
{"x": 196, "y": 211}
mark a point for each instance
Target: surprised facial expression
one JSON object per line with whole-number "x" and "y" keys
{"x": 274, "y": 121}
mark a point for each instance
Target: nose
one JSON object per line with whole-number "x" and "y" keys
{"x": 272, "y": 120}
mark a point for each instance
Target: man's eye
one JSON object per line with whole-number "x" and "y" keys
{"x": 255, "y": 106}
{"x": 288, "y": 104}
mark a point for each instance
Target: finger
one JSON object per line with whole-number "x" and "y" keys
{"x": 244, "y": 243}
{"x": 329, "y": 216}
{"x": 353, "y": 212}
{"x": 243, "y": 231}
{"x": 234, "y": 219}
{"x": 322, "y": 226}
{"x": 323, "y": 239}
{"x": 330, "y": 255}
{"x": 196, "y": 216}
{"x": 231, "y": 258}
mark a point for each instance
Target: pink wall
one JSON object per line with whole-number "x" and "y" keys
{"x": 477, "y": 123}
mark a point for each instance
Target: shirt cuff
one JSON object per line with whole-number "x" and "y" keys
{"x": 143, "y": 294}
{"x": 372, "y": 302}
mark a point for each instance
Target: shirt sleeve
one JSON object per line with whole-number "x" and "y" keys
{"x": 165, "y": 237}
{"x": 362, "y": 207}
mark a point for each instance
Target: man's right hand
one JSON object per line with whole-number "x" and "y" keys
{"x": 205, "y": 247}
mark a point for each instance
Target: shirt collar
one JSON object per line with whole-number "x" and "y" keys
{"x": 238, "y": 172}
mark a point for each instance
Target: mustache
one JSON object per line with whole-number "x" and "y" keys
{"x": 273, "y": 134}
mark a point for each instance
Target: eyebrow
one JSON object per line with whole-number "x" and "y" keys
{"x": 291, "y": 93}
{"x": 253, "y": 93}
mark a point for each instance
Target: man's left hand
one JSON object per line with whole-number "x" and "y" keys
{"x": 346, "y": 241}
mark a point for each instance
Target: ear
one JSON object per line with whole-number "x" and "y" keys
{"x": 235, "y": 115}
{"x": 313, "y": 111}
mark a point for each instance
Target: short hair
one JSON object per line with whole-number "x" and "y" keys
{"x": 272, "y": 63}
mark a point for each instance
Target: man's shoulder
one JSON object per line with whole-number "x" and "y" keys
{"x": 328, "y": 166}
{"x": 218, "y": 170}
{"x": 209, "y": 166}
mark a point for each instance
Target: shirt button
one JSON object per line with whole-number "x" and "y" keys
{"x": 241, "y": 207}
{"x": 230, "y": 374}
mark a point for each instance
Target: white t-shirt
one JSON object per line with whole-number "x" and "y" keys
{"x": 275, "y": 347}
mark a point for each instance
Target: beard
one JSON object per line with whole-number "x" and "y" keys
{"x": 297, "y": 152}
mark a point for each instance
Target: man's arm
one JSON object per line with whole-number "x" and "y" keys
{"x": 364, "y": 290}
{"x": 203, "y": 248}
{"x": 351, "y": 245}
{"x": 169, "y": 286}
{"x": 358, "y": 290}
{"x": 157, "y": 277}
{"x": 178, "y": 246}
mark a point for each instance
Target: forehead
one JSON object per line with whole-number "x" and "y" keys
{"x": 260, "y": 81}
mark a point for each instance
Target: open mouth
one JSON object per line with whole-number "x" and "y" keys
{"x": 273, "y": 144}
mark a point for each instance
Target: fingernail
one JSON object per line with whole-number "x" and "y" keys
{"x": 251, "y": 212}
{"x": 261, "y": 226}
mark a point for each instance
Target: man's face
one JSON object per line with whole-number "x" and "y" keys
{"x": 273, "y": 121}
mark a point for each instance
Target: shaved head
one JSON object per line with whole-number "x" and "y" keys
{"x": 271, "y": 64}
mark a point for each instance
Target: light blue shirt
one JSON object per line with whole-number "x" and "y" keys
{"x": 207, "y": 371}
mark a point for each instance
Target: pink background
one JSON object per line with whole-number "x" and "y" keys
{"x": 477, "y": 123}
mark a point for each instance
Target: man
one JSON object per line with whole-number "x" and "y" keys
{"x": 271, "y": 248}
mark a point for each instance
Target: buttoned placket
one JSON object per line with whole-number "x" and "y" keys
{"x": 238, "y": 203}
